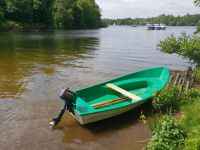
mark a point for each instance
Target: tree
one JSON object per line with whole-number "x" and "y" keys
{"x": 76, "y": 14}
{"x": 63, "y": 13}
{"x": 185, "y": 46}
{"x": 89, "y": 13}
{"x": 20, "y": 11}
{"x": 2, "y": 10}
{"x": 42, "y": 12}
{"x": 197, "y": 2}
{"x": 38, "y": 14}
{"x": 187, "y": 20}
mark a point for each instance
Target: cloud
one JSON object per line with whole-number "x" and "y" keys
{"x": 145, "y": 8}
{"x": 129, "y": 1}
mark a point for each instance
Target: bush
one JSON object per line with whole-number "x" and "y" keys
{"x": 168, "y": 134}
{"x": 170, "y": 45}
{"x": 185, "y": 46}
{"x": 192, "y": 94}
{"x": 12, "y": 25}
{"x": 168, "y": 99}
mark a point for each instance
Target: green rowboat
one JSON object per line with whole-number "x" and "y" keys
{"x": 118, "y": 95}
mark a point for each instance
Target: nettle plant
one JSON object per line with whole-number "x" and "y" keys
{"x": 167, "y": 100}
{"x": 168, "y": 134}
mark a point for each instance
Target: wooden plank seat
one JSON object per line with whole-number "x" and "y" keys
{"x": 123, "y": 92}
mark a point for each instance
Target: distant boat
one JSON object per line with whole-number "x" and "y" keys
{"x": 150, "y": 27}
{"x": 114, "y": 24}
{"x": 155, "y": 26}
{"x": 134, "y": 25}
{"x": 163, "y": 26}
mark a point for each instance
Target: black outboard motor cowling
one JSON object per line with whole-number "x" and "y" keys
{"x": 68, "y": 95}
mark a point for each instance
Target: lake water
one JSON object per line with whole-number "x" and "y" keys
{"x": 34, "y": 66}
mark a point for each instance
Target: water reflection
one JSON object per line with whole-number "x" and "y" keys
{"x": 110, "y": 133}
{"x": 35, "y": 66}
{"x": 23, "y": 55}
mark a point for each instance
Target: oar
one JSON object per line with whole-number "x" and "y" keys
{"x": 111, "y": 102}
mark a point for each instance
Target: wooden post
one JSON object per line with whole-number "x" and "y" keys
{"x": 180, "y": 81}
{"x": 192, "y": 79}
{"x": 187, "y": 85}
{"x": 170, "y": 80}
{"x": 189, "y": 70}
{"x": 184, "y": 79}
{"x": 181, "y": 88}
{"x": 177, "y": 78}
{"x": 195, "y": 73}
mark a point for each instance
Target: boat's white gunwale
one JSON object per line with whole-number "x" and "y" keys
{"x": 82, "y": 120}
{"x": 135, "y": 103}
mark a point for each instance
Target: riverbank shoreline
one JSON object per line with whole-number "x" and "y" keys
{"x": 185, "y": 115}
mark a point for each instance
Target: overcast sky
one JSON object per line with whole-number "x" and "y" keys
{"x": 145, "y": 8}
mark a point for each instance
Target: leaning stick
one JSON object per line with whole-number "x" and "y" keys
{"x": 180, "y": 81}
{"x": 177, "y": 78}
{"x": 181, "y": 88}
{"x": 187, "y": 85}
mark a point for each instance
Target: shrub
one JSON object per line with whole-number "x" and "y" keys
{"x": 185, "y": 46}
{"x": 12, "y": 25}
{"x": 168, "y": 134}
{"x": 167, "y": 99}
{"x": 170, "y": 45}
{"x": 193, "y": 93}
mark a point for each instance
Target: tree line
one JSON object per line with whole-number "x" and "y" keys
{"x": 187, "y": 20}
{"x": 46, "y": 14}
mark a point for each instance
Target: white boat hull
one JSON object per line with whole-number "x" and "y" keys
{"x": 89, "y": 118}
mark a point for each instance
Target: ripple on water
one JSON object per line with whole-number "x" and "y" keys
{"x": 35, "y": 66}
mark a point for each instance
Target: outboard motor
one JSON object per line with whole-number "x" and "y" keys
{"x": 69, "y": 98}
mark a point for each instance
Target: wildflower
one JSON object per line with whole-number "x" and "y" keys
{"x": 142, "y": 119}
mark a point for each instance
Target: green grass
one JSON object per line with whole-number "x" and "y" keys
{"x": 191, "y": 123}
{"x": 192, "y": 118}
{"x": 198, "y": 75}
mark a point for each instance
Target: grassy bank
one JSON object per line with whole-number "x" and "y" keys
{"x": 179, "y": 125}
